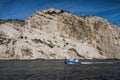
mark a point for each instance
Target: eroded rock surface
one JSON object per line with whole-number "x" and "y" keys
{"x": 57, "y": 34}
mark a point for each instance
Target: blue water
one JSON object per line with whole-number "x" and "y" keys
{"x": 57, "y": 70}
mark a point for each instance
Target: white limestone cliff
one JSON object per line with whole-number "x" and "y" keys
{"x": 56, "y": 34}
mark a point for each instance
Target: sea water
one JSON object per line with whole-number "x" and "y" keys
{"x": 57, "y": 70}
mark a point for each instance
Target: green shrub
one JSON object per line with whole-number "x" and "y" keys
{"x": 21, "y": 22}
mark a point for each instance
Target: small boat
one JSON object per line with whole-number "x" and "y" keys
{"x": 72, "y": 61}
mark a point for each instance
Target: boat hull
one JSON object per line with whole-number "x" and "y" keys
{"x": 71, "y": 62}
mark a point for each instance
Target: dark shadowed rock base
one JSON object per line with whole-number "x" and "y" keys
{"x": 57, "y": 70}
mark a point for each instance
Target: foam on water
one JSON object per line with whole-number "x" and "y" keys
{"x": 99, "y": 62}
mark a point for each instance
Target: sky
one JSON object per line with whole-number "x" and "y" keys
{"x": 22, "y": 9}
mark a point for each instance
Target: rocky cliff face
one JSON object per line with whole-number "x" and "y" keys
{"x": 57, "y": 34}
